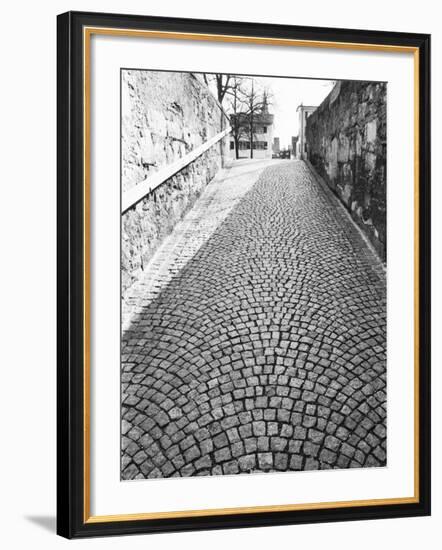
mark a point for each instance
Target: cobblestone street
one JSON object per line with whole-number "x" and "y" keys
{"x": 256, "y": 340}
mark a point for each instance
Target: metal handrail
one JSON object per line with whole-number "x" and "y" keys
{"x": 134, "y": 195}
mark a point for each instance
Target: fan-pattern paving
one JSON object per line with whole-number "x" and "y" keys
{"x": 266, "y": 352}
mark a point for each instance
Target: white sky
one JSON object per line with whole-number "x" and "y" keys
{"x": 288, "y": 94}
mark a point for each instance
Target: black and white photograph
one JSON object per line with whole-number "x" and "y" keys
{"x": 253, "y": 274}
{"x": 218, "y": 224}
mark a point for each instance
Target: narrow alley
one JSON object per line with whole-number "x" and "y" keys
{"x": 256, "y": 339}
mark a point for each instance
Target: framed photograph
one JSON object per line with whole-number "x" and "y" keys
{"x": 243, "y": 274}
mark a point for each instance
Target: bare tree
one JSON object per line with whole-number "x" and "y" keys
{"x": 246, "y": 104}
{"x": 223, "y": 82}
{"x": 238, "y": 118}
{"x": 257, "y": 102}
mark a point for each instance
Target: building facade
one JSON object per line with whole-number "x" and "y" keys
{"x": 276, "y": 145}
{"x": 262, "y": 139}
{"x": 294, "y": 141}
{"x": 304, "y": 111}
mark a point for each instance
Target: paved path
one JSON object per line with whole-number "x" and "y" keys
{"x": 265, "y": 349}
{"x": 213, "y": 206}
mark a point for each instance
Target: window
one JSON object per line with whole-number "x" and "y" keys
{"x": 232, "y": 145}
{"x": 243, "y": 145}
{"x": 264, "y": 130}
{"x": 260, "y": 145}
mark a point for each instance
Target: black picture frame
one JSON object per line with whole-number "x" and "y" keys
{"x": 72, "y": 520}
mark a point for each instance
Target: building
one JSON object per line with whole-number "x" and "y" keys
{"x": 262, "y": 134}
{"x": 294, "y": 142}
{"x": 304, "y": 112}
{"x": 276, "y": 146}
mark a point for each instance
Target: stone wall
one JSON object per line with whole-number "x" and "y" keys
{"x": 346, "y": 138}
{"x": 165, "y": 115}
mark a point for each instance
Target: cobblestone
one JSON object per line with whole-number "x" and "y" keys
{"x": 264, "y": 348}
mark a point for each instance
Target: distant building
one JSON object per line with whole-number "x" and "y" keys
{"x": 304, "y": 112}
{"x": 276, "y": 145}
{"x": 262, "y": 135}
{"x": 294, "y": 142}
